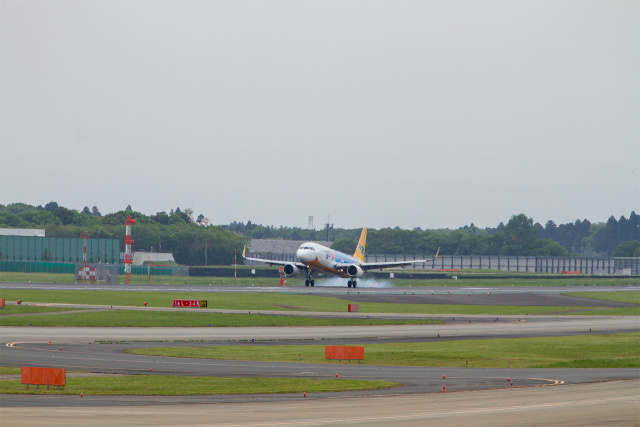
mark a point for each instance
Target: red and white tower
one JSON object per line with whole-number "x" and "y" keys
{"x": 128, "y": 259}
{"x": 84, "y": 273}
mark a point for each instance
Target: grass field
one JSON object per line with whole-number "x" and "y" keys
{"x": 125, "y": 318}
{"x": 262, "y": 301}
{"x": 29, "y": 309}
{"x": 161, "y": 385}
{"x": 227, "y": 300}
{"x": 589, "y": 351}
{"x": 221, "y": 300}
{"x": 632, "y": 297}
{"x": 593, "y": 351}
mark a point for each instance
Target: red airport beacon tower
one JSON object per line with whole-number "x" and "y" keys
{"x": 128, "y": 259}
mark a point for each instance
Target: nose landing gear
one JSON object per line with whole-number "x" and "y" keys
{"x": 309, "y": 281}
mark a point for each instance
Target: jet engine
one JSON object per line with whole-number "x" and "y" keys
{"x": 290, "y": 270}
{"x": 355, "y": 271}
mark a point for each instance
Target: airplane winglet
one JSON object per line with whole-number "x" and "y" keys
{"x": 244, "y": 251}
{"x": 437, "y": 253}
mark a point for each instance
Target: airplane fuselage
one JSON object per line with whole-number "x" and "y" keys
{"x": 323, "y": 259}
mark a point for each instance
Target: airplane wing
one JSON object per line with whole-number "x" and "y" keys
{"x": 273, "y": 262}
{"x": 381, "y": 265}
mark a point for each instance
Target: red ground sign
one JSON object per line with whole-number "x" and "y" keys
{"x": 189, "y": 303}
{"x": 42, "y": 376}
{"x": 341, "y": 352}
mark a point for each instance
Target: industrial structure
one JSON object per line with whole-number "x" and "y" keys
{"x": 128, "y": 241}
{"x": 59, "y": 249}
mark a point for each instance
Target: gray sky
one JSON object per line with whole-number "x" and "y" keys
{"x": 376, "y": 113}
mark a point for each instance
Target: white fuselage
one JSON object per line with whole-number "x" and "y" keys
{"x": 323, "y": 259}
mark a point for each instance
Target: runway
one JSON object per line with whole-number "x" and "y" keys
{"x": 614, "y": 403}
{"x": 474, "y": 396}
{"x": 464, "y": 326}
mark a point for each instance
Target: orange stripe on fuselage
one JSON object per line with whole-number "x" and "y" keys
{"x": 315, "y": 265}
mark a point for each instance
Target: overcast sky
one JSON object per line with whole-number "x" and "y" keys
{"x": 373, "y": 113}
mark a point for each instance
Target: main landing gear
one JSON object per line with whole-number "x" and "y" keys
{"x": 309, "y": 280}
{"x": 351, "y": 283}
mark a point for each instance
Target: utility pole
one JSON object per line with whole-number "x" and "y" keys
{"x": 328, "y": 226}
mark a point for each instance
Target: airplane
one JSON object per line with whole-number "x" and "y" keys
{"x": 313, "y": 257}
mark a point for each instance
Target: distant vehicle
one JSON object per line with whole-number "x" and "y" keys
{"x": 313, "y": 257}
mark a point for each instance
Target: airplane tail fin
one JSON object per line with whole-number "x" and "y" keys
{"x": 359, "y": 254}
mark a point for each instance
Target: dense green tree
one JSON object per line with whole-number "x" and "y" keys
{"x": 13, "y": 221}
{"x": 51, "y": 206}
{"x": 116, "y": 218}
{"x": 519, "y": 236}
{"x": 161, "y": 218}
{"x": 606, "y": 239}
{"x": 38, "y": 218}
{"x": 185, "y": 217}
{"x": 65, "y": 215}
{"x": 17, "y": 208}
{"x": 550, "y": 229}
{"x": 548, "y": 247}
{"x": 262, "y": 232}
{"x": 84, "y": 220}
{"x": 176, "y": 219}
{"x": 628, "y": 249}
{"x": 346, "y": 246}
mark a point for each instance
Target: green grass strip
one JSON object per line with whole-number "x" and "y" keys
{"x": 124, "y": 318}
{"x": 631, "y": 297}
{"x": 28, "y": 309}
{"x": 587, "y": 351}
{"x": 268, "y": 301}
{"x": 621, "y": 311}
{"x": 220, "y": 300}
{"x": 161, "y": 385}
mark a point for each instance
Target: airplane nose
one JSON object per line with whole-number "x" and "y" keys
{"x": 304, "y": 256}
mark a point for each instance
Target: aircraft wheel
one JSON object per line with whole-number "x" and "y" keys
{"x": 355, "y": 283}
{"x": 349, "y": 284}
{"x": 313, "y": 282}
{"x": 306, "y": 283}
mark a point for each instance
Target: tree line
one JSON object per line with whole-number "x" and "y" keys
{"x": 520, "y": 236}
{"x": 192, "y": 240}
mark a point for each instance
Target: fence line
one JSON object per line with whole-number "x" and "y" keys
{"x": 36, "y": 267}
{"x": 531, "y": 264}
{"x": 58, "y": 249}
{"x": 104, "y": 272}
